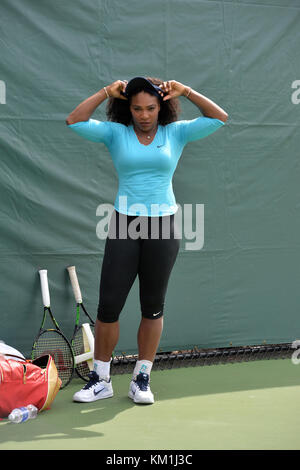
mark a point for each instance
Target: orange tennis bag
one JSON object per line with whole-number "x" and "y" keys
{"x": 27, "y": 382}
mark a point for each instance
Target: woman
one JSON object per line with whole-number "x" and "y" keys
{"x": 145, "y": 140}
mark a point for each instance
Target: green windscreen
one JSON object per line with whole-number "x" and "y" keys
{"x": 241, "y": 285}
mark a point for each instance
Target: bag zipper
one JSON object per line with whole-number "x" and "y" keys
{"x": 24, "y": 374}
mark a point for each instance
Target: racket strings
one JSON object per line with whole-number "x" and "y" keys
{"x": 54, "y": 344}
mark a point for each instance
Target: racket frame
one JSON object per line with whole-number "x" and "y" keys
{"x": 87, "y": 356}
{"x": 56, "y": 329}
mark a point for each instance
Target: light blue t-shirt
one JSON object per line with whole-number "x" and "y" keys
{"x": 145, "y": 172}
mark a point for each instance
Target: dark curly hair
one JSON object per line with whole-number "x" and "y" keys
{"x": 117, "y": 110}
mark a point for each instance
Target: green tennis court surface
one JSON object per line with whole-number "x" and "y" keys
{"x": 252, "y": 405}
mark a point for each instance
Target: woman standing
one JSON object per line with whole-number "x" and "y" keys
{"x": 145, "y": 140}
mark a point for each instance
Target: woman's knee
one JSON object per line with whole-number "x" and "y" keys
{"x": 107, "y": 316}
{"x": 109, "y": 310}
{"x": 152, "y": 311}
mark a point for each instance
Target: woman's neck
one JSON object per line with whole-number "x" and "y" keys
{"x": 147, "y": 134}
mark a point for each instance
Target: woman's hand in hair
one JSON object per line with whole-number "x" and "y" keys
{"x": 114, "y": 90}
{"x": 173, "y": 89}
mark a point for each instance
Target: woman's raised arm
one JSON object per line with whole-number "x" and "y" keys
{"x": 85, "y": 109}
{"x": 206, "y": 106}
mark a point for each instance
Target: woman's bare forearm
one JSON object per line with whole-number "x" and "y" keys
{"x": 85, "y": 109}
{"x": 207, "y": 106}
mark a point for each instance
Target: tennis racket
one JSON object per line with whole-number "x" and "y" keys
{"x": 51, "y": 340}
{"x": 83, "y": 336}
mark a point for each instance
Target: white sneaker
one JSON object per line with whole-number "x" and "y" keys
{"x": 139, "y": 390}
{"x": 95, "y": 389}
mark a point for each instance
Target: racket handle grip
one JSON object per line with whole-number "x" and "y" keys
{"x": 44, "y": 287}
{"x": 75, "y": 284}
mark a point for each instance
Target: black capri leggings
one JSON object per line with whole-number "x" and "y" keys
{"x": 137, "y": 245}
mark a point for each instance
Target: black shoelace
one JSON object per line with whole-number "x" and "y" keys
{"x": 94, "y": 378}
{"x": 142, "y": 381}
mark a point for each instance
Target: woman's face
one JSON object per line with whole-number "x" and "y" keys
{"x": 144, "y": 109}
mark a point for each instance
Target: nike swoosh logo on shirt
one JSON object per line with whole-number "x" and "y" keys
{"x": 155, "y": 314}
{"x": 160, "y": 146}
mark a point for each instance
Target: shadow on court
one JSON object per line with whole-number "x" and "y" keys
{"x": 226, "y": 378}
{"x": 81, "y": 421}
{"x": 66, "y": 419}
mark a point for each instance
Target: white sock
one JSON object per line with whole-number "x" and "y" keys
{"x": 143, "y": 366}
{"x": 102, "y": 369}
